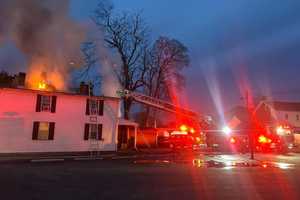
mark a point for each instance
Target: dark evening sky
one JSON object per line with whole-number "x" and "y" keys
{"x": 252, "y": 44}
{"x": 233, "y": 46}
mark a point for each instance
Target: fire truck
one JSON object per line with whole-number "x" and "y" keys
{"x": 185, "y": 136}
{"x": 270, "y": 138}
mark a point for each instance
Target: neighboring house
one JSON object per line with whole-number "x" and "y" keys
{"x": 46, "y": 121}
{"x": 280, "y": 112}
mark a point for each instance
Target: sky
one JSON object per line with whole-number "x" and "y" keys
{"x": 234, "y": 46}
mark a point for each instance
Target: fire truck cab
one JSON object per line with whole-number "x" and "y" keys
{"x": 187, "y": 139}
{"x": 279, "y": 138}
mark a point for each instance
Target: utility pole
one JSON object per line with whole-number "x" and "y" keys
{"x": 250, "y": 114}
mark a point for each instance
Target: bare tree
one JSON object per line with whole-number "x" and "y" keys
{"x": 126, "y": 34}
{"x": 164, "y": 64}
{"x": 86, "y": 71}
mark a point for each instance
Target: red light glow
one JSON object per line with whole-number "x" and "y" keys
{"x": 232, "y": 140}
{"x": 264, "y": 165}
{"x": 192, "y": 130}
{"x": 183, "y": 128}
{"x": 264, "y": 139}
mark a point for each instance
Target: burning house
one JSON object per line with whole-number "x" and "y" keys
{"x": 47, "y": 120}
{"x": 37, "y": 111}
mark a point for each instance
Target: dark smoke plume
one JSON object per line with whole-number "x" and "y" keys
{"x": 46, "y": 35}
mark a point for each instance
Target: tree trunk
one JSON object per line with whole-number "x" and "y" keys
{"x": 147, "y": 114}
{"x": 127, "y": 105}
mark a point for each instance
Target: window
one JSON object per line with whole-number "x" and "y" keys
{"x": 46, "y": 103}
{"x": 93, "y": 132}
{"x": 286, "y": 116}
{"x": 43, "y": 130}
{"x": 297, "y": 117}
{"x": 94, "y": 107}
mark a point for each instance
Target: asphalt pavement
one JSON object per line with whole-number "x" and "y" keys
{"x": 185, "y": 176}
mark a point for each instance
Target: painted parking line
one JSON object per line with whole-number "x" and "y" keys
{"x": 123, "y": 157}
{"x": 88, "y": 158}
{"x": 48, "y": 160}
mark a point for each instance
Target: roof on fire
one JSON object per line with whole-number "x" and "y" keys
{"x": 55, "y": 93}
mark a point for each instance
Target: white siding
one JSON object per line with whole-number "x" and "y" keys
{"x": 17, "y": 114}
{"x": 292, "y": 117}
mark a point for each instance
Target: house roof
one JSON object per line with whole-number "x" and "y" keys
{"x": 54, "y": 92}
{"x": 285, "y": 106}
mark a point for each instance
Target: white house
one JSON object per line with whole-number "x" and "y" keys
{"x": 280, "y": 112}
{"x": 34, "y": 121}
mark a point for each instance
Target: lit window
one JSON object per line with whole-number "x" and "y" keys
{"x": 43, "y": 130}
{"x": 43, "y": 133}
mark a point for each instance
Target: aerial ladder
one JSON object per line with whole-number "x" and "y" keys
{"x": 157, "y": 103}
{"x": 197, "y": 120}
{"x": 163, "y": 105}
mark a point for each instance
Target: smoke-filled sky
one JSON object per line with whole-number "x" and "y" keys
{"x": 234, "y": 46}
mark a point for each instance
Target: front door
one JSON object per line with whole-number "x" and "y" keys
{"x": 122, "y": 137}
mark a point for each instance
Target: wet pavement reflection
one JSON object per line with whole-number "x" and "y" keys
{"x": 223, "y": 162}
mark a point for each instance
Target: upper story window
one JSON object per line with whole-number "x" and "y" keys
{"x": 46, "y": 103}
{"x": 94, "y": 107}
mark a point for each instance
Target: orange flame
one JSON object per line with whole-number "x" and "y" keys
{"x": 42, "y": 85}
{"x": 37, "y": 80}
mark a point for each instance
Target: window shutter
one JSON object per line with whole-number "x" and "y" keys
{"x": 100, "y": 132}
{"x": 38, "y": 103}
{"x": 35, "y": 130}
{"x": 86, "y": 132}
{"x": 53, "y": 104}
{"x": 51, "y": 131}
{"x": 100, "y": 107}
{"x": 87, "y": 109}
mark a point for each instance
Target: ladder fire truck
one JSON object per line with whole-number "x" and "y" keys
{"x": 187, "y": 136}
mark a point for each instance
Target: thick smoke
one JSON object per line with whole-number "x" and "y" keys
{"x": 47, "y": 36}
